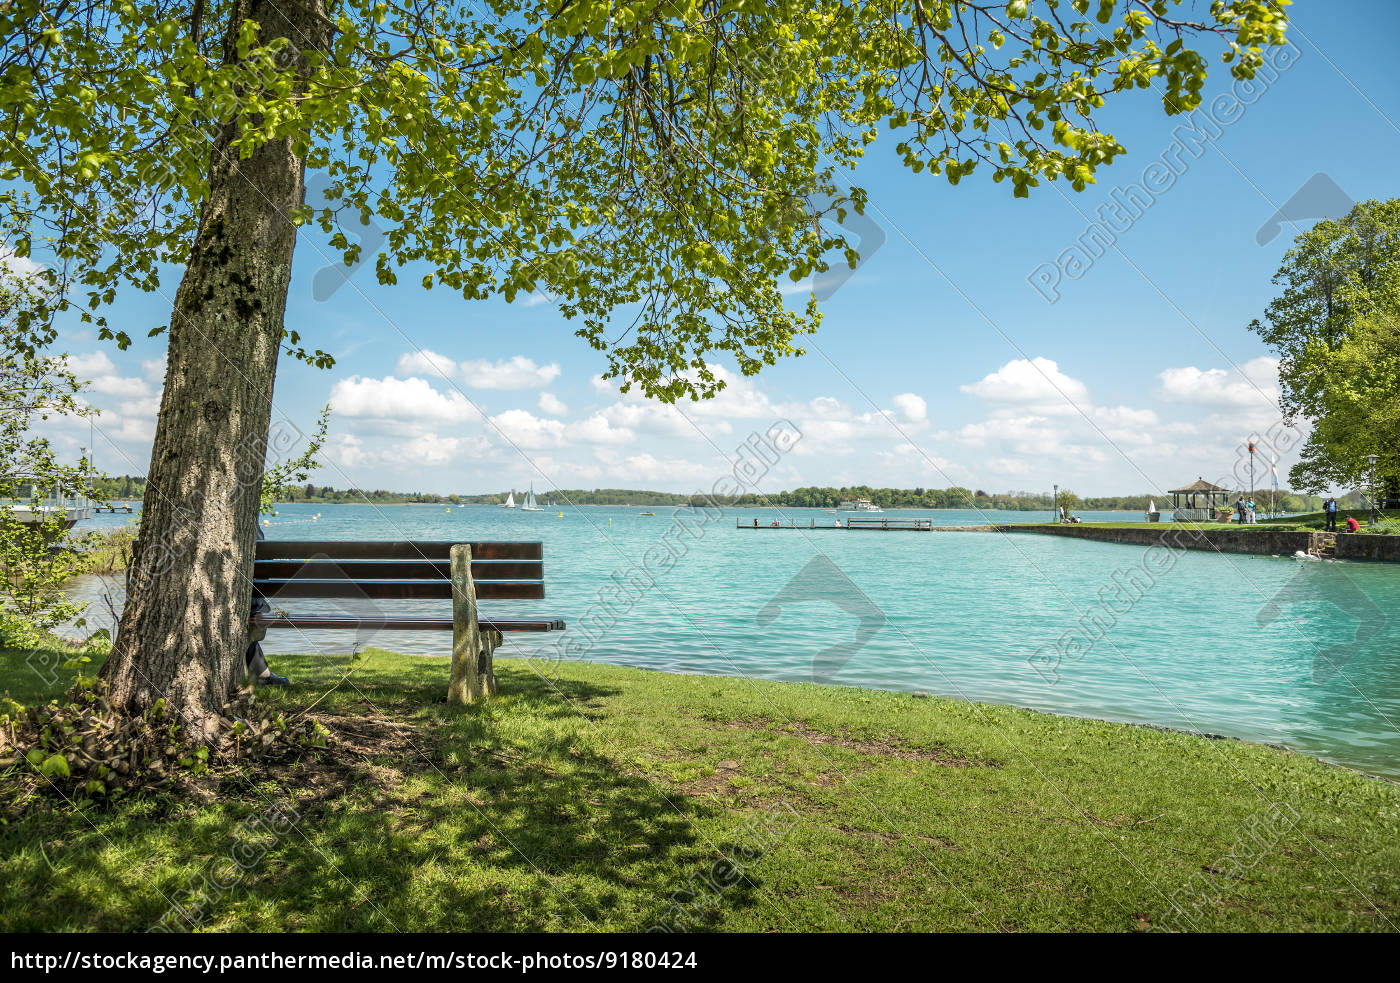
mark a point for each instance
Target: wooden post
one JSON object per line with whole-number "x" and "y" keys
{"x": 472, "y": 648}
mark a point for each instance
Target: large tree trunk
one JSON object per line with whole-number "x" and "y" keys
{"x": 184, "y": 628}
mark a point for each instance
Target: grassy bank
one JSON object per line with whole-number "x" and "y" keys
{"x": 598, "y": 801}
{"x": 1306, "y": 522}
{"x": 1317, "y": 521}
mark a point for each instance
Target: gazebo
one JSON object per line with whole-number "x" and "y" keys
{"x": 1202, "y": 500}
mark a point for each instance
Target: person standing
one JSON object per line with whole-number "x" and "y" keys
{"x": 1239, "y": 509}
{"x": 1250, "y": 515}
{"x": 1329, "y": 509}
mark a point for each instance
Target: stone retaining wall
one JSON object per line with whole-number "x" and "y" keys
{"x": 1259, "y": 541}
{"x": 1385, "y": 549}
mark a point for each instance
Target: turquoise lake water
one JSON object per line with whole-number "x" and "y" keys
{"x": 1175, "y": 638}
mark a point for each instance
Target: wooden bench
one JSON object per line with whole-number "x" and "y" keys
{"x": 398, "y": 571}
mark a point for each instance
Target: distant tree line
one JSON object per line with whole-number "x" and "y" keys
{"x": 128, "y": 487}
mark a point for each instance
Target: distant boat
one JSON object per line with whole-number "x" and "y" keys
{"x": 648, "y": 513}
{"x": 860, "y": 505}
{"x": 530, "y": 505}
{"x": 510, "y": 500}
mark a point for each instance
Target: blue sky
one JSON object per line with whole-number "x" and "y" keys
{"x": 940, "y": 361}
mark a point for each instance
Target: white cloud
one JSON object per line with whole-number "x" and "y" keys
{"x": 1030, "y": 429}
{"x": 129, "y": 430}
{"x": 913, "y": 407}
{"x": 111, "y": 385}
{"x": 600, "y": 385}
{"x": 596, "y": 429}
{"x": 428, "y": 449}
{"x": 154, "y": 371}
{"x": 346, "y": 450}
{"x": 424, "y": 450}
{"x": 523, "y": 429}
{"x": 552, "y": 404}
{"x": 651, "y": 417}
{"x": 17, "y": 266}
{"x": 1253, "y": 384}
{"x": 427, "y": 363}
{"x": 517, "y": 372}
{"x": 94, "y": 363}
{"x": 647, "y": 467}
{"x": 1011, "y": 467}
{"x": 398, "y": 399}
{"x": 147, "y": 407}
{"x": 1122, "y": 416}
{"x": 102, "y": 376}
{"x": 1037, "y": 380}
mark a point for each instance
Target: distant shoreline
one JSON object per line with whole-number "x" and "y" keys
{"x": 639, "y": 505}
{"x": 591, "y": 505}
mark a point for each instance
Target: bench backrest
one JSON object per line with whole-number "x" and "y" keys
{"x": 396, "y": 570}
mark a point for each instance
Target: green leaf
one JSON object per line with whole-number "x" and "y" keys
{"x": 55, "y": 764}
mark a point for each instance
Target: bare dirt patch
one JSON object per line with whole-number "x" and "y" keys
{"x": 369, "y": 748}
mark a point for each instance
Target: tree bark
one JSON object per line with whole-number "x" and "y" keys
{"x": 183, "y": 631}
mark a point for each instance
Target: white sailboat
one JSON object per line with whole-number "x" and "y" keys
{"x": 530, "y": 505}
{"x": 510, "y": 500}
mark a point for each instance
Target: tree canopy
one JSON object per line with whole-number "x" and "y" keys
{"x": 1335, "y": 328}
{"x": 658, "y": 158}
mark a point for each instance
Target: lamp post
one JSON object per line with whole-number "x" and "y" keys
{"x": 1055, "y": 508}
{"x": 1251, "y": 477}
{"x": 1371, "y": 459}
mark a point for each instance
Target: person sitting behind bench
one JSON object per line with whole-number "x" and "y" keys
{"x": 253, "y": 660}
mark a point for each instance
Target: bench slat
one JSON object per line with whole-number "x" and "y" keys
{"x": 482, "y": 570}
{"x": 395, "y": 590}
{"x": 271, "y": 549}
{"x": 405, "y": 624}
{"x": 403, "y": 590}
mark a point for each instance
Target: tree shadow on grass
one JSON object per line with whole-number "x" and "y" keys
{"x": 508, "y": 815}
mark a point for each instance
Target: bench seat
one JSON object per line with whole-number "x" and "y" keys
{"x": 311, "y": 622}
{"x": 462, "y": 573}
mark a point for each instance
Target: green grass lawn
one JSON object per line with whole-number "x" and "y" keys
{"x": 1117, "y": 525}
{"x": 1317, "y": 521}
{"x": 1162, "y": 526}
{"x": 616, "y": 798}
{"x": 1306, "y": 522}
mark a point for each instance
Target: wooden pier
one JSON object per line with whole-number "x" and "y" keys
{"x": 113, "y": 509}
{"x": 855, "y": 523}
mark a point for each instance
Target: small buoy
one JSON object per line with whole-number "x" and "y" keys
{"x": 561, "y": 515}
{"x": 267, "y": 522}
{"x": 449, "y": 508}
{"x": 315, "y": 517}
